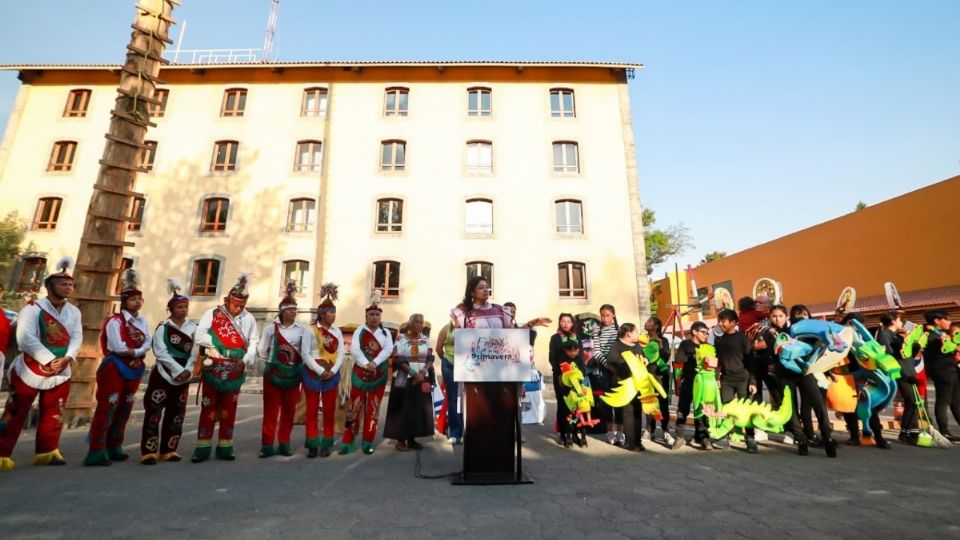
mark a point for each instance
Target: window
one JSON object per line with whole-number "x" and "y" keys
{"x": 393, "y": 155}
{"x": 234, "y": 102}
{"x": 295, "y": 271}
{"x": 478, "y": 102}
{"x": 386, "y": 277}
{"x": 48, "y": 212}
{"x": 159, "y": 109}
{"x": 31, "y": 274}
{"x": 479, "y": 217}
{"x": 148, "y": 154}
{"x": 125, "y": 264}
{"x": 569, "y": 216}
{"x": 573, "y": 280}
{"x": 481, "y": 268}
{"x": 61, "y": 158}
{"x": 479, "y": 156}
{"x": 77, "y": 102}
{"x": 301, "y": 215}
{"x": 561, "y": 103}
{"x": 309, "y": 156}
{"x": 314, "y": 102}
{"x": 214, "y": 217}
{"x": 205, "y": 275}
{"x": 136, "y": 213}
{"x": 224, "y": 156}
{"x": 395, "y": 102}
{"x": 565, "y": 159}
{"x": 389, "y": 215}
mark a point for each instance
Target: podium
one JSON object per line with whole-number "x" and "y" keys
{"x": 492, "y": 364}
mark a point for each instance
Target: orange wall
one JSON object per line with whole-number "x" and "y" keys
{"x": 815, "y": 264}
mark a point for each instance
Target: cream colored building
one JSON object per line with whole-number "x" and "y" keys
{"x": 299, "y": 170}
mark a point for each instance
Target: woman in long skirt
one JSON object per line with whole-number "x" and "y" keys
{"x": 410, "y": 410}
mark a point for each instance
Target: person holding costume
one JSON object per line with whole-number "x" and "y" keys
{"x": 323, "y": 355}
{"x": 280, "y": 349}
{"x": 660, "y": 367}
{"x": 871, "y": 380}
{"x": 579, "y": 398}
{"x": 49, "y": 334}
{"x": 939, "y": 360}
{"x": 410, "y": 410}
{"x": 736, "y": 380}
{"x": 372, "y": 346}
{"x": 565, "y": 334}
{"x": 687, "y": 359}
{"x": 600, "y": 375}
{"x": 124, "y": 340}
{"x": 165, "y": 401}
{"x": 228, "y": 334}
{"x": 634, "y": 387}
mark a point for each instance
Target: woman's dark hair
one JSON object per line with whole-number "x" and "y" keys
{"x": 625, "y": 329}
{"x": 797, "y": 311}
{"x": 780, "y": 307}
{"x": 468, "y": 292}
{"x": 746, "y": 304}
{"x": 611, "y": 309}
{"x": 657, "y": 324}
{"x": 573, "y": 328}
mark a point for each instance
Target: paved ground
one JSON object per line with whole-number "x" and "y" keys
{"x": 600, "y": 492}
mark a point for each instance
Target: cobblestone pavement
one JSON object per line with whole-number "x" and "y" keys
{"x": 597, "y": 492}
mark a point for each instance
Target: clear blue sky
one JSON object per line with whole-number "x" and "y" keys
{"x": 753, "y": 118}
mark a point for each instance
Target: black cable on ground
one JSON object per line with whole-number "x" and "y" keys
{"x": 418, "y": 466}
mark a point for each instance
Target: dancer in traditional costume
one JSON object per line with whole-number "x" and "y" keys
{"x": 323, "y": 356}
{"x": 228, "y": 334}
{"x": 165, "y": 401}
{"x": 49, "y": 335}
{"x": 410, "y": 409}
{"x": 124, "y": 341}
{"x": 280, "y": 349}
{"x": 372, "y": 346}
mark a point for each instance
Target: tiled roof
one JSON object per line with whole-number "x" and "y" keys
{"x": 939, "y": 296}
{"x": 367, "y": 63}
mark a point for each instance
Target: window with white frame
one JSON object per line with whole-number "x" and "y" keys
{"x": 566, "y": 157}
{"x": 572, "y": 280}
{"x": 389, "y": 215}
{"x": 479, "y": 156}
{"x": 569, "y": 214}
{"x": 479, "y": 216}
{"x": 301, "y": 215}
{"x": 296, "y": 271}
{"x": 562, "y": 103}
{"x": 395, "y": 101}
{"x": 393, "y": 155}
{"x": 479, "y": 102}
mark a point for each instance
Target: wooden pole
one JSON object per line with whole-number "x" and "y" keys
{"x": 104, "y": 230}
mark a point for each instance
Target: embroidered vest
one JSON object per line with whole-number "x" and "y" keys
{"x": 130, "y": 368}
{"x": 369, "y": 346}
{"x": 54, "y": 337}
{"x": 284, "y": 366}
{"x": 225, "y": 336}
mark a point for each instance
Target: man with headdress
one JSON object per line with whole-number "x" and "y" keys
{"x": 228, "y": 334}
{"x": 323, "y": 355}
{"x": 49, "y": 335}
{"x": 372, "y": 346}
{"x": 124, "y": 342}
{"x": 280, "y": 349}
{"x": 165, "y": 401}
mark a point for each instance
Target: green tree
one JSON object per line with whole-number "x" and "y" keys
{"x": 661, "y": 244}
{"x": 13, "y": 229}
{"x": 860, "y": 206}
{"x": 713, "y": 256}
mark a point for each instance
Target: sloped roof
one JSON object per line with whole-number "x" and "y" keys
{"x": 925, "y": 298}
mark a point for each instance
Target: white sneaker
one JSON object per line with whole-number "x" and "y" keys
{"x": 788, "y": 439}
{"x": 668, "y": 438}
{"x": 621, "y": 437}
{"x": 760, "y": 435}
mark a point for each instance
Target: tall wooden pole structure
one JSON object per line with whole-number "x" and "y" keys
{"x": 105, "y": 228}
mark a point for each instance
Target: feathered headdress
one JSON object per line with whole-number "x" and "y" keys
{"x": 288, "y": 301}
{"x": 173, "y": 286}
{"x": 63, "y": 267}
{"x": 239, "y": 290}
{"x": 375, "y": 298}
{"x": 130, "y": 284}
{"x": 328, "y": 293}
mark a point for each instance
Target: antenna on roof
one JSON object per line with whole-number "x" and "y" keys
{"x": 271, "y": 30}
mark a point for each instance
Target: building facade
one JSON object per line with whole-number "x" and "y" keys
{"x": 403, "y": 177}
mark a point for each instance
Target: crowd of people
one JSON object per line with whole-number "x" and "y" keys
{"x": 588, "y": 357}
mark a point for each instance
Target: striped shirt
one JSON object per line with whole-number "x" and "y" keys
{"x": 601, "y": 345}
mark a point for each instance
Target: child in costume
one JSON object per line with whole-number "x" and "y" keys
{"x": 635, "y": 388}
{"x": 579, "y": 398}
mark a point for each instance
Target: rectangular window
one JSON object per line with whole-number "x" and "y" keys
{"x": 295, "y": 271}
{"x": 309, "y": 156}
{"x": 48, "y": 213}
{"x": 565, "y": 158}
{"x": 234, "y": 102}
{"x": 215, "y": 215}
{"x": 77, "y": 103}
{"x": 61, "y": 157}
{"x": 136, "y": 214}
{"x": 301, "y": 215}
{"x": 224, "y": 156}
{"x": 572, "y": 280}
{"x": 395, "y": 102}
{"x": 479, "y": 217}
{"x": 478, "y": 102}
{"x": 569, "y": 217}
{"x": 386, "y": 277}
{"x": 393, "y": 155}
{"x": 160, "y": 109}
{"x": 561, "y": 103}
{"x": 479, "y": 157}
{"x": 389, "y": 215}
{"x": 148, "y": 154}
{"x": 479, "y": 268}
{"x": 32, "y": 270}
{"x": 205, "y": 275}
{"x": 314, "y": 102}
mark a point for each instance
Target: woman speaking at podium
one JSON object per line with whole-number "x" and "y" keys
{"x": 476, "y": 311}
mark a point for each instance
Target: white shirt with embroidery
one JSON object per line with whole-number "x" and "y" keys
{"x": 28, "y": 339}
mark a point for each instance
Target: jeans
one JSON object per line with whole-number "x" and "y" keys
{"x": 454, "y": 417}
